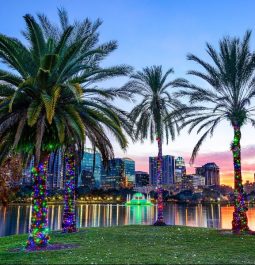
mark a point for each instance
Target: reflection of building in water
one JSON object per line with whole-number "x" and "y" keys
{"x": 16, "y": 219}
{"x": 188, "y": 215}
{"x": 227, "y": 216}
{"x": 55, "y": 217}
{"x": 139, "y": 214}
{"x": 213, "y": 215}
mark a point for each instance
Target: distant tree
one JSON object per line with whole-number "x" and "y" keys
{"x": 10, "y": 175}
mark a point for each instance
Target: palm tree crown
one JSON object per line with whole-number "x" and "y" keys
{"x": 157, "y": 104}
{"x": 231, "y": 88}
{"x": 38, "y": 103}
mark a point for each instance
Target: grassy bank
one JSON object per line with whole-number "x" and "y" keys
{"x": 137, "y": 244}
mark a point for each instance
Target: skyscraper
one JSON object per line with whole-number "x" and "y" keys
{"x": 141, "y": 179}
{"x": 211, "y": 172}
{"x": 87, "y": 166}
{"x": 87, "y": 179}
{"x": 120, "y": 173}
{"x": 129, "y": 172}
{"x": 55, "y": 171}
{"x": 180, "y": 169}
{"x": 197, "y": 181}
{"x": 114, "y": 174}
{"x": 168, "y": 170}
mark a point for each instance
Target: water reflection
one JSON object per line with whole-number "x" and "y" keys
{"x": 15, "y": 219}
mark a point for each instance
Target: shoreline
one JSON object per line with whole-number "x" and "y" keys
{"x": 123, "y": 203}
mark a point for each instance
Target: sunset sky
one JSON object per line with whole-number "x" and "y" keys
{"x": 159, "y": 32}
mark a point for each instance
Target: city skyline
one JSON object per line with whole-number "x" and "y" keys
{"x": 143, "y": 41}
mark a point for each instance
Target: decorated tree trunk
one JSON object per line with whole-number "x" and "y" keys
{"x": 160, "y": 217}
{"x": 240, "y": 221}
{"x": 69, "y": 221}
{"x": 39, "y": 232}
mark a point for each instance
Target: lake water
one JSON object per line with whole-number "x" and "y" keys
{"x": 16, "y": 219}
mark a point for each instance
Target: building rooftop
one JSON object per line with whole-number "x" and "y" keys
{"x": 127, "y": 158}
{"x": 210, "y": 164}
{"x": 141, "y": 172}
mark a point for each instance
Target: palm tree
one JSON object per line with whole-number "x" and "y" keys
{"x": 97, "y": 116}
{"x": 95, "y": 109}
{"x": 228, "y": 97}
{"x": 38, "y": 109}
{"x": 149, "y": 115}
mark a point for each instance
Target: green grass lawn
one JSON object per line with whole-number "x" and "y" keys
{"x": 137, "y": 245}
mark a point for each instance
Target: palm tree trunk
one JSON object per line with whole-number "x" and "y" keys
{"x": 39, "y": 231}
{"x": 69, "y": 220}
{"x": 160, "y": 217}
{"x": 240, "y": 221}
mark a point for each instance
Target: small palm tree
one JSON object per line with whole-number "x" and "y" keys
{"x": 149, "y": 115}
{"x": 97, "y": 115}
{"x": 229, "y": 97}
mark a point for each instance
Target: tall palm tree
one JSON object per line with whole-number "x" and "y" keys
{"x": 231, "y": 88}
{"x": 149, "y": 115}
{"x": 38, "y": 110}
{"x": 95, "y": 107}
{"x": 85, "y": 32}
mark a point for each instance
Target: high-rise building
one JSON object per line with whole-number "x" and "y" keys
{"x": 87, "y": 179}
{"x": 120, "y": 173}
{"x": 114, "y": 174}
{"x": 187, "y": 182}
{"x": 168, "y": 169}
{"x": 211, "y": 172}
{"x": 180, "y": 169}
{"x": 129, "y": 172}
{"x": 88, "y": 164}
{"x": 55, "y": 178}
{"x": 141, "y": 179}
{"x": 198, "y": 181}
{"x": 104, "y": 183}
